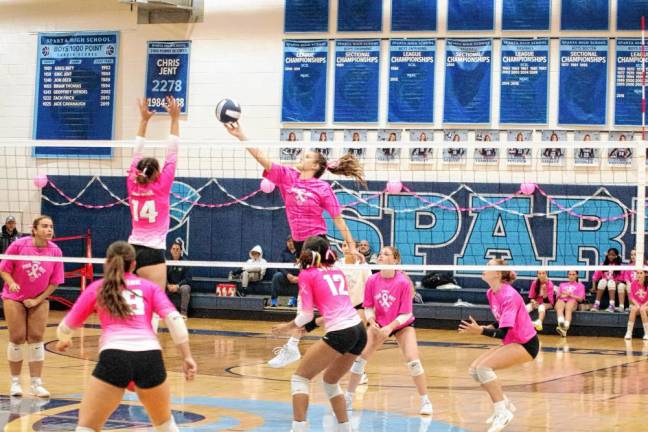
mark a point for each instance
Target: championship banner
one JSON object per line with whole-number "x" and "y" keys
{"x": 359, "y": 15}
{"x": 304, "y": 81}
{"x": 524, "y": 81}
{"x": 357, "y": 71}
{"x": 471, "y": 15}
{"x": 583, "y": 81}
{"x": 75, "y": 91}
{"x": 627, "y": 98}
{"x": 526, "y": 14}
{"x": 629, "y": 13}
{"x": 467, "y": 81}
{"x": 585, "y": 14}
{"x": 414, "y": 15}
{"x": 303, "y": 16}
{"x": 167, "y": 73}
{"x": 411, "y": 81}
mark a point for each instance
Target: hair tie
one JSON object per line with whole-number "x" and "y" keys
{"x": 329, "y": 254}
{"x": 315, "y": 259}
{"x": 144, "y": 171}
{"x": 333, "y": 165}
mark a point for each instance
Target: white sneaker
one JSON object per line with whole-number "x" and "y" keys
{"x": 284, "y": 355}
{"x": 628, "y": 336}
{"x": 348, "y": 401}
{"x": 16, "y": 389}
{"x": 509, "y": 406}
{"x": 645, "y": 337}
{"x": 426, "y": 408}
{"x": 501, "y": 420}
{"x": 299, "y": 426}
{"x": 364, "y": 379}
{"x": 38, "y": 390}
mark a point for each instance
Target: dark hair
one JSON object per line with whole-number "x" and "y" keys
{"x": 316, "y": 252}
{"x": 348, "y": 166}
{"x": 147, "y": 168}
{"x": 37, "y": 221}
{"x": 617, "y": 261}
{"x": 119, "y": 257}
{"x": 507, "y": 275}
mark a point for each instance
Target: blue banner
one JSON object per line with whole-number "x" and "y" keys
{"x": 359, "y": 15}
{"x": 303, "y": 16}
{"x": 414, "y": 15}
{"x": 467, "y": 81}
{"x": 75, "y": 91}
{"x": 167, "y": 73}
{"x": 471, "y": 15}
{"x": 357, "y": 71}
{"x": 627, "y": 99}
{"x": 583, "y": 81}
{"x": 585, "y": 14}
{"x": 629, "y": 13}
{"x": 526, "y": 15}
{"x": 524, "y": 81}
{"x": 411, "y": 80}
{"x": 304, "y": 81}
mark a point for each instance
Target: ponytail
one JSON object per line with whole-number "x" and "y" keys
{"x": 348, "y": 166}
{"x": 507, "y": 275}
{"x": 147, "y": 170}
{"x": 316, "y": 252}
{"x": 119, "y": 257}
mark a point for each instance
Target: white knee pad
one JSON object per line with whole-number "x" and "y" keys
{"x": 83, "y": 429}
{"x": 14, "y": 352}
{"x": 169, "y": 426}
{"x": 611, "y": 285}
{"x": 36, "y": 352}
{"x": 299, "y": 385}
{"x": 358, "y": 366}
{"x": 542, "y": 308}
{"x": 529, "y": 307}
{"x": 332, "y": 390}
{"x": 485, "y": 374}
{"x": 473, "y": 373}
{"x": 621, "y": 288}
{"x": 602, "y": 284}
{"x": 415, "y": 367}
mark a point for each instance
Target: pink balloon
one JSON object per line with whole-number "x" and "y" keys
{"x": 267, "y": 186}
{"x": 40, "y": 180}
{"x": 394, "y": 186}
{"x": 528, "y": 188}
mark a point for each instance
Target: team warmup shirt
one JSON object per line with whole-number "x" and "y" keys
{"x": 638, "y": 293}
{"x": 389, "y": 297}
{"x": 149, "y": 203}
{"x": 134, "y": 333}
{"x": 510, "y": 312}
{"x": 33, "y": 277}
{"x": 305, "y": 201}
{"x": 571, "y": 288}
{"x": 608, "y": 275}
{"x": 327, "y": 289}
{"x": 536, "y": 294}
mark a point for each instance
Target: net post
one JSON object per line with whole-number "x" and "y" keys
{"x": 641, "y": 160}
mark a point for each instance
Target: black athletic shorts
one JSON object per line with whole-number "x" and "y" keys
{"x": 402, "y": 328}
{"x": 359, "y": 306}
{"x": 118, "y": 367}
{"x": 349, "y": 340}
{"x": 300, "y": 244}
{"x": 146, "y": 256}
{"x": 532, "y": 346}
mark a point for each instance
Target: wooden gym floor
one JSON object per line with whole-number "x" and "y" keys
{"x": 575, "y": 384}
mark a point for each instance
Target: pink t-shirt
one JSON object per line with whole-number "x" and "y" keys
{"x": 571, "y": 288}
{"x": 389, "y": 297}
{"x": 638, "y": 293}
{"x": 327, "y": 289}
{"x": 305, "y": 201}
{"x": 149, "y": 204}
{"x": 629, "y": 276}
{"x": 134, "y": 333}
{"x": 534, "y": 292}
{"x": 33, "y": 277}
{"x": 608, "y": 275}
{"x": 510, "y": 311}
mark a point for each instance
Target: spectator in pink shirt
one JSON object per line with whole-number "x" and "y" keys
{"x": 610, "y": 280}
{"x": 638, "y": 303}
{"x": 568, "y": 296}
{"x": 27, "y": 285}
{"x": 541, "y": 297}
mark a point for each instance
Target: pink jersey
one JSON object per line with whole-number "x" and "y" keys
{"x": 638, "y": 293}
{"x": 510, "y": 311}
{"x": 566, "y": 289}
{"x": 134, "y": 333}
{"x": 535, "y": 294}
{"x": 389, "y": 297}
{"x": 608, "y": 275}
{"x": 305, "y": 201}
{"x": 149, "y": 204}
{"x": 629, "y": 276}
{"x": 33, "y": 277}
{"x": 326, "y": 289}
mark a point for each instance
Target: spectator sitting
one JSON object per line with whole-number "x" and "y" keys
{"x": 178, "y": 280}
{"x": 541, "y": 297}
{"x": 365, "y": 249}
{"x": 9, "y": 233}
{"x": 252, "y": 271}
{"x": 568, "y": 296}
{"x": 610, "y": 280}
{"x": 286, "y": 279}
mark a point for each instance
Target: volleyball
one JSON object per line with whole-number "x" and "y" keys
{"x": 228, "y": 111}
